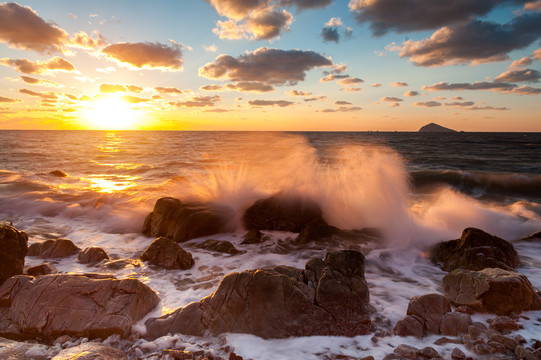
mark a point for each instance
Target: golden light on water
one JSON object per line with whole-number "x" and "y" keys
{"x": 112, "y": 113}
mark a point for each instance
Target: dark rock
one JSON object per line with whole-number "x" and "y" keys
{"x": 433, "y": 127}
{"x": 178, "y": 354}
{"x": 406, "y": 351}
{"x": 524, "y": 354}
{"x": 320, "y": 231}
{"x": 166, "y": 253}
{"x": 445, "y": 340}
{"x": 71, "y": 305}
{"x": 429, "y": 353}
{"x": 507, "y": 342}
{"x": 410, "y": 325}
{"x": 476, "y": 330}
{"x": 253, "y": 237}
{"x": 314, "y": 268}
{"x": 91, "y": 351}
{"x": 457, "y": 354}
{"x": 536, "y": 236}
{"x": 491, "y": 290}
{"x": 43, "y": 269}
{"x": 92, "y": 255}
{"x": 453, "y": 324}
{"x": 53, "y": 249}
{"x": 277, "y": 303}
{"x": 465, "y": 309}
{"x": 428, "y": 310}
{"x": 233, "y": 356}
{"x": 184, "y": 221}
{"x": 122, "y": 264}
{"x": 282, "y": 212}
{"x": 58, "y": 173}
{"x": 501, "y": 323}
{"x": 475, "y": 250}
{"x": 219, "y": 246}
{"x": 13, "y": 249}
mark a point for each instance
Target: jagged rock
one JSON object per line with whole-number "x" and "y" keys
{"x": 184, "y": 221}
{"x": 177, "y": 354}
{"x": 53, "y": 249}
{"x": 428, "y": 311}
{"x": 92, "y": 255}
{"x": 219, "y": 246}
{"x": 277, "y": 302}
{"x": 166, "y": 253}
{"x": 91, "y": 351}
{"x": 282, "y": 212}
{"x": 13, "y": 249}
{"x": 410, "y": 325}
{"x": 475, "y": 250}
{"x": 252, "y": 237}
{"x": 43, "y": 269}
{"x": 491, "y": 290}
{"x": 71, "y": 305}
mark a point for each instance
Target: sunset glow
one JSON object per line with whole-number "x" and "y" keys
{"x": 111, "y": 113}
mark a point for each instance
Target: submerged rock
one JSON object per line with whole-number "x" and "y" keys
{"x": 43, "y": 269}
{"x": 166, "y": 253}
{"x": 92, "y": 255}
{"x": 71, "y": 305}
{"x": 253, "y": 237}
{"x": 475, "y": 250}
{"x": 184, "y": 221}
{"x": 13, "y": 249}
{"x": 219, "y": 246}
{"x": 91, "y": 351}
{"x": 280, "y": 302}
{"x": 491, "y": 290}
{"x": 53, "y": 249}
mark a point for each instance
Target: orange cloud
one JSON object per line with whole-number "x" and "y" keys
{"x": 134, "y": 99}
{"x": 8, "y": 100}
{"x": 43, "y": 95}
{"x": 146, "y": 55}
{"x": 34, "y": 81}
{"x": 112, "y": 88}
{"x": 26, "y": 66}
{"x": 199, "y": 101}
{"x": 168, "y": 90}
{"x": 83, "y": 40}
{"x": 280, "y": 103}
{"x": 250, "y": 86}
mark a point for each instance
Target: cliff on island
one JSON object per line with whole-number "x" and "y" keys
{"x": 432, "y": 127}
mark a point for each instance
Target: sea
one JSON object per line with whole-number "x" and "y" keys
{"x": 96, "y": 188}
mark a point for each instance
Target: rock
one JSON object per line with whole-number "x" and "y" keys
{"x": 454, "y": 323}
{"x": 43, "y": 269}
{"x": 320, "y": 231}
{"x": 491, "y": 290}
{"x": 122, "y": 264}
{"x": 501, "y": 323}
{"x": 536, "y": 236}
{"x": 429, "y": 353}
{"x": 477, "y": 330}
{"x": 53, "y": 249}
{"x": 253, "y": 237}
{"x": 507, "y": 342}
{"x": 282, "y": 213}
{"x": 58, "y": 173}
{"x": 13, "y": 249}
{"x": 433, "y": 127}
{"x": 410, "y": 325}
{"x": 184, "y": 221}
{"x": 428, "y": 310}
{"x": 445, "y": 340}
{"x": 465, "y": 309}
{"x": 406, "y": 351}
{"x": 457, "y": 354}
{"x": 166, "y": 253}
{"x": 475, "y": 250}
{"x": 524, "y": 354}
{"x": 177, "y": 354}
{"x": 71, "y": 305}
{"x": 92, "y": 255}
{"x": 91, "y": 351}
{"x": 277, "y": 302}
{"x": 219, "y": 246}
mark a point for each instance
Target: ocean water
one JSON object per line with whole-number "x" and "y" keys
{"x": 417, "y": 188}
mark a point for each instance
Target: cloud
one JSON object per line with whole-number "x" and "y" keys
{"x": 537, "y": 54}
{"x": 427, "y": 103}
{"x": 8, "y": 100}
{"x": 483, "y": 85}
{"x": 375, "y": 85}
{"x": 459, "y": 103}
{"x": 168, "y": 90}
{"x": 112, "y": 88}
{"x": 237, "y": 9}
{"x": 334, "y": 29}
{"x": 147, "y": 55}
{"x": 306, "y": 4}
{"x": 250, "y": 86}
{"x": 513, "y": 76}
{"x": 229, "y": 30}
{"x": 411, "y": 93}
{"x": 199, "y": 101}
{"x": 533, "y": 6}
{"x": 398, "y": 84}
{"x": 473, "y": 42}
{"x": 350, "y": 81}
{"x": 332, "y": 77}
{"x": 265, "y": 65}
{"x": 519, "y": 64}
{"x": 329, "y": 33}
{"x": 279, "y": 103}
{"x": 526, "y": 90}
{"x": 134, "y": 99}
{"x": 26, "y": 66}
{"x": 299, "y": 93}
{"x": 340, "y": 102}
{"x": 316, "y": 98}
{"x": 43, "y": 95}
{"x": 212, "y": 87}
{"x": 210, "y": 48}
{"x": 342, "y": 109}
{"x": 22, "y": 28}
{"x": 501, "y": 108}
{"x": 391, "y": 99}
{"x": 34, "y": 81}
{"x": 217, "y": 110}
{"x": 134, "y": 88}
{"x": 84, "y": 41}
{"x": 352, "y": 89}
{"x": 266, "y": 24}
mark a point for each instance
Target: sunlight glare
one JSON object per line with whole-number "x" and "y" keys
{"x": 112, "y": 113}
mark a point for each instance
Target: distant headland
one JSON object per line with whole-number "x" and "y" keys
{"x": 432, "y": 127}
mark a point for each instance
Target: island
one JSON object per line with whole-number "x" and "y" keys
{"x": 432, "y": 127}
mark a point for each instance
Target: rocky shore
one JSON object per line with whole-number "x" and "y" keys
{"x": 45, "y": 314}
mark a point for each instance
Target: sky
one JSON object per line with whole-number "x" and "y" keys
{"x": 285, "y": 65}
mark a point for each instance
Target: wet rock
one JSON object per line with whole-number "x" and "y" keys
{"x": 58, "y": 173}
{"x": 445, "y": 340}
{"x": 53, "y": 249}
{"x": 13, "y": 249}
{"x": 91, "y": 351}
{"x": 457, "y": 354}
{"x": 428, "y": 310}
{"x": 282, "y": 212}
{"x": 507, "y": 342}
{"x": 252, "y": 237}
{"x": 502, "y": 323}
{"x": 184, "y": 221}
{"x": 475, "y": 250}
{"x": 536, "y": 236}
{"x": 92, "y": 255}
{"x": 277, "y": 303}
{"x": 43, "y": 269}
{"x": 410, "y": 325}
{"x": 219, "y": 246}
{"x": 524, "y": 354}
{"x": 491, "y": 290}
{"x": 406, "y": 351}
{"x": 476, "y": 330}
{"x": 166, "y": 253}
{"x": 178, "y": 354}
{"x": 122, "y": 264}
{"x": 453, "y": 324}
{"x": 429, "y": 353}
{"x": 319, "y": 231}
{"x": 71, "y": 305}
{"x": 465, "y": 309}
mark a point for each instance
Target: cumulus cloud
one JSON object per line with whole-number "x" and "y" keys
{"x": 134, "y": 88}
{"x": 427, "y": 103}
{"x": 336, "y": 69}
{"x": 250, "y": 86}
{"x": 475, "y": 42}
{"x": 533, "y": 6}
{"x": 168, "y": 90}
{"x": 352, "y": 89}
{"x": 334, "y": 30}
{"x": 526, "y": 90}
{"x": 391, "y": 99}
{"x": 199, "y": 101}
{"x": 350, "y": 81}
{"x": 521, "y": 63}
{"x": 146, "y": 55}
{"x": 398, "y": 84}
{"x": 332, "y": 77}
{"x": 411, "y": 93}
{"x": 316, "y": 98}
{"x": 212, "y": 87}
{"x": 210, "y": 48}
{"x": 266, "y": 66}
{"x": 22, "y": 28}
{"x": 279, "y": 103}
{"x": 26, "y": 66}
{"x": 85, "y": 41}
{"x": 513, "y": 76}
{"x": 229, "y": 30}
{"x": 267, "y": 24}
{"x": 134, "y": 99}
{"x": 8, "y": 100}
{"x": 537, "y": 54}
{"x": 306, "y": 4}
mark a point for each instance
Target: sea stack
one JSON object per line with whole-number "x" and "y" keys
{"x": 432, "y": 127}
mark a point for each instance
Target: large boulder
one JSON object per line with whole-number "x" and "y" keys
{"x": 53, "y": 249}
{"x": 73, "y": 305}
{"x": 282, "y": 212}
{"x": 280, "y": 302}
{"x": 491, "y": 290}
{"x": 91, "y": 351}
{"x": 219, "y": 246}
{"x": 184, "y": 221}
{"x": 166, "y": 253}
{"x": 475, "y": 250}
{"x": 424, "y": 315}
{"x": 13, "y": 249}
{"x": 92, "y": 255}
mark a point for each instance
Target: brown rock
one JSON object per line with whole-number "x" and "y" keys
{"x": 92, "y": 255}
{"x": 453, "y": 324}
{"x": 282, "y": 212}
{"x": 475, "y": 250}
{"x": 428, "y": 310}
{"x": 277, "y": 303}
{"x": 445, "y": 340}
{"x": 219, "y": 246}
{"x": 178, "y": 354}
{"x": 507, "y": 342}
{"x": 184, "y": 221}
{"x": 58, "y": 173}
{"x": 320, "y": 231}
{"x": 91, "y": 351}
{"x": 166, "y": 253}
{"x": 406, "y": 351}
{"x": 524, "y": 354}
{"x": 429, "y": 353}
{"x": 13, "y": 249}
{"x": 122, "y": 264}
{"x": 53, "y": 249}
{"x": 536, "y": 236}
{"x": 71, "y": 305}
{"x": 252, "y": 237}
{"x": 501, "y": 323}
{"x": 457, "y": 354}
{"x": 410, "y": 325}
{"x": 43, "y": 269}
{"x": 465, "y": 309}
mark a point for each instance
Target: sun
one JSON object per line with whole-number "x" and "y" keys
{"x": 112, "y": 113}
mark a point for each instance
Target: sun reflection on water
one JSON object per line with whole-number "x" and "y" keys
{"x": 111, "y": 183}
